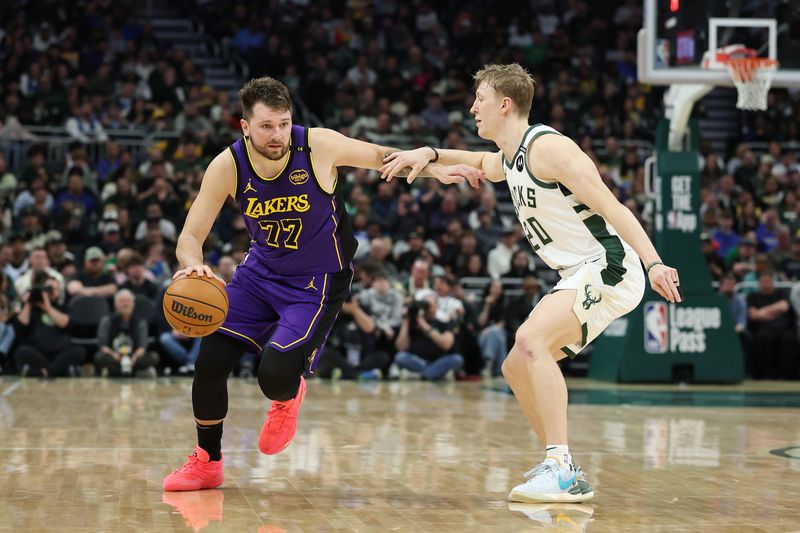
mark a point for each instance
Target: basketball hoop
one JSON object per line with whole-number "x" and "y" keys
{"x": 752, "y": 76}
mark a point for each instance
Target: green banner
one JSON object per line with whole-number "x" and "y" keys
{"x": 662, "y": 342}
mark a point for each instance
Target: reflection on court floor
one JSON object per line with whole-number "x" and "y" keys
{"x": 89, "y": 455}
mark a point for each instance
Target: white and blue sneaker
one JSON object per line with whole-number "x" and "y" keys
{"x": 549, "y": 481}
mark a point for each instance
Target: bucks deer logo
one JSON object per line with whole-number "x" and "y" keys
{"x": 593, "y": 296}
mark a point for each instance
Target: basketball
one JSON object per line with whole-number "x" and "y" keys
{"x": 196, "y": 305}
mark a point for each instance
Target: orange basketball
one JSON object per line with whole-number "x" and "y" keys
{"x": 196, "y": 305}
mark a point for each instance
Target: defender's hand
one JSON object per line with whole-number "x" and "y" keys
{"x": 459, "y": 173}
{"x": 664, "y": 280}
{"x": 415, "y": 160}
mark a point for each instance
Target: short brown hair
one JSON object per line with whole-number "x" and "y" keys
{"x": 266, "y": 90}
{"x": 512, "y": 81}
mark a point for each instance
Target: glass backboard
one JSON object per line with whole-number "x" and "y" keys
{"x": 676, "y": 35}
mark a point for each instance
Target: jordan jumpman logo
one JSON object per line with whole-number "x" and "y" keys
{"x": 311, "y": 284}
{"x": 249, "y": 187}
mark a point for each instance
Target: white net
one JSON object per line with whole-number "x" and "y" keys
{"x": 753, "y": 78}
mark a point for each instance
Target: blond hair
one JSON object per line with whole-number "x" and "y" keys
{"x": 512, "y": 81}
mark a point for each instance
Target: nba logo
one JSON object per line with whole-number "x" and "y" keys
{"x": 655, "y": 327}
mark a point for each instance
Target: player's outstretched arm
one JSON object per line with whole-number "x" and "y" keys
{"x": 558, "y": 158}
{"x": 419, "y": 163}
{"x": 349, "y": 152}
{"x": 219, "y": 182}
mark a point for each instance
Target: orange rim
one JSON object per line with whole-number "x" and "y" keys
{"x": 745, "y": 68}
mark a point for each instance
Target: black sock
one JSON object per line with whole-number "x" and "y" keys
{"x": 210, "y": 439}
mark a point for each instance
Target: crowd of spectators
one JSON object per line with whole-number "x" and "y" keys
{"x": 385, "y": 71}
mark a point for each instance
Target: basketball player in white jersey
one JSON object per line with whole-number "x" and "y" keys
{"x": 577, "y": 227}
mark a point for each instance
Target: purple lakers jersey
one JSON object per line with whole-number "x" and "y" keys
{"x": 296, "y": 228}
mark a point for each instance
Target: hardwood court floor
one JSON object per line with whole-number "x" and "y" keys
{"x": 89, "y": 455}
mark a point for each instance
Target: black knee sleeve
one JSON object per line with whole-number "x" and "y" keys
{"x": 279, "y": 373}
{"x": 218, "y": 355}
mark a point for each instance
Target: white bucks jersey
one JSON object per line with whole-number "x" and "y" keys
{"x": 564, "y": 232}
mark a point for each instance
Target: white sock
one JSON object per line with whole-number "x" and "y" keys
{"x": 560, "y": 452}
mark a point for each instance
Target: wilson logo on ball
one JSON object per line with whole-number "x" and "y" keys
{"x": 189, "y": 312}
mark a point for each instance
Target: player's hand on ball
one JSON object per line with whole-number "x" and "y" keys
{"x": 415, "y": 160}
{"x": 665, "y": 281}
{"x": 201, "y": 270}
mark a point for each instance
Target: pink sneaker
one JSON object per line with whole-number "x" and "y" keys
{"x": 281, "y": 424}
{"x": 196, "y": 473}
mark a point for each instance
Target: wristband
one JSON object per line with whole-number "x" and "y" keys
{"x": 651, "y": 265}
{"x": 436, "y": 154}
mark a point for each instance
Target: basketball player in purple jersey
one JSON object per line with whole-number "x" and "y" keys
{"x": 286, "y": 294}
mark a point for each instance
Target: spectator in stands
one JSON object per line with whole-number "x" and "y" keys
{"x": 109, "y": 163}
{"x": 518, "y": 309}
{"x": 42, "y": 328}
{"x": 448, "y": 212}
{"x": 17, "y": 262}
{"x": 415, "y": 243}
{"x": 155, "y": 156}
{"x": 28, "y": 198}
{"x": 424, "y": 344}
{"x": 418, "y": 279}
{"x": 746, "y": 174}
{"x": 724, "y": 236}
{"x": 57, "y": 253}
{"x": 467, "y": 246}
{"x": 112, "y": 241}
{"x": 122, "y": 341}
{"x": 738, "y": 309}
{"x": 137, "y": 281}
{"x": 790, "y": 266}
{"x": 385, "y": 202}
{"x": 487, "y": 232}
{"x": 748, "y": 218}
{"x": 7, "y": 333}
{"x": 794, "y": 298}
{"x": 124, "y": 194}
{"x": 407, "y": 217}
{"x": 448, "y": 307}
{"x": 85, "y": 126}
{"x": 377, "y": 259}
{"x": 360, "y": 75}
{"x": 782, "y": 250}
{"x": 499, "y": 259}
{"x": 715, "y": 263}
{"x": 182, "y": 349}
{"x": 726, "y": 193}
{"x": 76, "y": 195}
{"x": 31, "y": 225}
{"x": 520, "y": 265}
{"x": 8, "y": 181}
{"x": 356, "y": 349}
{"x": 190, "y": 119}
{"x": 435, "y": 117}
{"x": 94, "y": 280}
{"x": 742, "y": 259}
{"x": 385, "y": 305}
{"x": 474, "y": 267}
{"x": 767, "y": 231}
{"x": 775, "y": 353}
{"x": 39, "y": 263}
{"x": 493, "y": 337}
{"x": 162, "y": 192}
{"x": 226, "y": 267}
{"x": 154, "y": 220}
